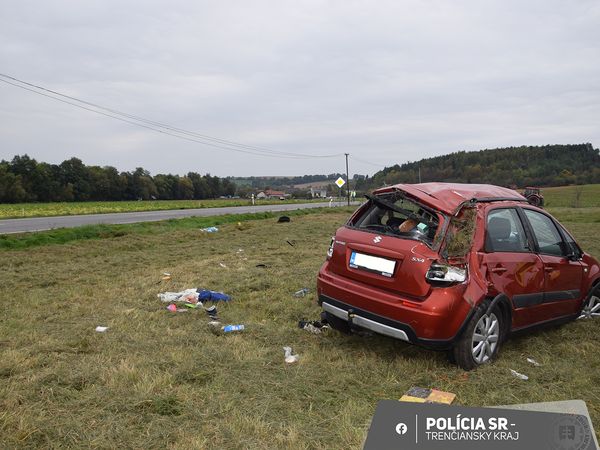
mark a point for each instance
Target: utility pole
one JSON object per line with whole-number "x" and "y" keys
{"x": 347, "y": 179}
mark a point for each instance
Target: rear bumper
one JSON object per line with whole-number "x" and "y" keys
{"x": 435, "y": 322}
{"x": 382, "y": 325}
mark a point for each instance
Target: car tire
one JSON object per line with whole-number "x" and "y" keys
{"x": 335, "y": 322}
{"x": 480, "y": 341}
{"x": 591, "y": 306}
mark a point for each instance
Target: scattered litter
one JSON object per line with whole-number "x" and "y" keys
{"x": 212, "y": 313}
{"x": 223, "y": 265}
{"x": 292, "y": 243}
{"x": 262, "y": 266}
{"x": 425, "y": 395}
{"x": 533, "y": 362}
{"x": 231, "y": 328}
{"x": 520, "y": 376}
{"x": 194, "y": 296}
{"x": 289, "y": 358}
{"x": 183, "y": 296}
{"x": 192, "y": 305}
{"x": 205, "y": 295}
{"x": 165, "y": 277}
{"x": 209, "y": 229}
{"x": 173, "y": 308}
{"x": 315, "y": 327}
{"x": 302, "y": 292}
{"x": 101, "y": 329}
{"x": 283, "y": 219}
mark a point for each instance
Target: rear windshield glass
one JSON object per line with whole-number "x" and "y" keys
{"x": 395, "y": 215}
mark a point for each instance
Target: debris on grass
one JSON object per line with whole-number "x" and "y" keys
{"x": 192, "y": 305}
{"x": 533, "y": 362}
{"x": 209, "y": 229}
{"x": 283, "y": 219}
{"x": 315, "y": 326}
{"x": 173, "y": 308}
{"x": 302, "y": 292}
{"x": 166, "y": 276}
{"x": 188, "y": 295}
{"x": 100, "y": 329}
{"x": 206, "y": 295}
{"x": 425, "y": 395}
{"x": 288, "y": 357}
{"x": 518, "y": 375}
{"x": 223, "y": 265}
{"x": 262, "y": 266}
{"x": 194, "y": 296}
{"x": 291, "y": 243}
{"x": 212, "y": 313}
{"x": 232, "y": 328}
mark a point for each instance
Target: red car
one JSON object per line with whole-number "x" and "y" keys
{"x": 455, "y": 267}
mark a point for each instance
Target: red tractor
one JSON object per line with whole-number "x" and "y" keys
{"x": 534, "y": 196}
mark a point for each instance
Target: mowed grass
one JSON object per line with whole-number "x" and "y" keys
{"x": 158, "y": 379}
{"x": 19, "y": 210}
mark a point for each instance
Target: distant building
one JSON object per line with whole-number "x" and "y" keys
{"x": 270, "y": 194}
{"x": 318, "y": 192}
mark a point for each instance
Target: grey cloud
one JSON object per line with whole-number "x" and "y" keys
{"x": 387, "y": 81}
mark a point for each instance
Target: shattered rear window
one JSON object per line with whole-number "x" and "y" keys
{"x": 393, "y": 214}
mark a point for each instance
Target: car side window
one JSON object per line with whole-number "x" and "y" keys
{"x": 572, "y": 246}
{"x": 505, "y": 232}
{"x": 549, "y": 240}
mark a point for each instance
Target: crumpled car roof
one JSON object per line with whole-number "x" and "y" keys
{"x": 447, "y": 197}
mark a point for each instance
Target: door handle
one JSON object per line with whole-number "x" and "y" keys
{"x": 498, "y": 269}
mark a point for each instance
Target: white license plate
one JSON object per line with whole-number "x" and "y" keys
{"x": 382, "y": 266}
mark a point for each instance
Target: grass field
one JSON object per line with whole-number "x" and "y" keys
{"x": 566, "y": 196}
{"x": 158, "y": 379}
{"x": 18, "y": 210}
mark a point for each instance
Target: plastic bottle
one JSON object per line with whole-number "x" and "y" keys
{"x": 230, "y": 328}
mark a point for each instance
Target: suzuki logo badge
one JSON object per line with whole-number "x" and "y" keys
{"x": 377, "y": 239}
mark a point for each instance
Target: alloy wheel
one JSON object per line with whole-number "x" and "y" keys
{"x": 591, "y": 308}
{"x": 485, "y": 338}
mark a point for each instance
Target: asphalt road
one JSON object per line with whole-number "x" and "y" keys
{"x": 47, "y": 223}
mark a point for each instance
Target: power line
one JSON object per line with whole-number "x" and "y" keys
{"x": 367, "y": 162}
{"x": 157, "y": 126}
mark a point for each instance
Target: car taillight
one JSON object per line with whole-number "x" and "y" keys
{"x": 330, "y": 251}
{"x": 440, "y": 273}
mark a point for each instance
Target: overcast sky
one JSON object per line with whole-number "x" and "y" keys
{"x": 386, "y": 81}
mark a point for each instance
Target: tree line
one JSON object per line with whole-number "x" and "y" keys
{"x": 548, "y": 165}
{"x": 23, "y": 179}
